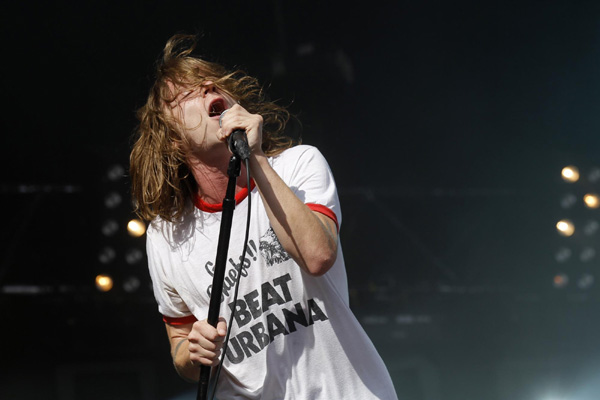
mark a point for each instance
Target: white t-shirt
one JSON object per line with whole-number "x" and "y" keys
{"x": 293, "y": 336}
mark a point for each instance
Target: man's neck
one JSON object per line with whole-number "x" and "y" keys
{"x": 212, "y": 180}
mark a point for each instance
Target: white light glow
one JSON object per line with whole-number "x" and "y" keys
{"x": 563, "y": 254}
{"x": 568, "y": 200}
{"x": 565, "y": 227}
{"x": 570, "y": 174}
{"x": 113, "y": 200}
{"x": 107, "y": 255}
{"x": 115, "y": 172}
{"x": 591, "y": 200}
{"x": 136, "y": 227}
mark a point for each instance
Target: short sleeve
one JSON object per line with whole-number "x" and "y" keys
{"x": 309, "y": 176}
{"x": 170, "y": 304}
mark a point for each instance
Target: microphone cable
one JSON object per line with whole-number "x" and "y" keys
{"x": 237, "y": 283}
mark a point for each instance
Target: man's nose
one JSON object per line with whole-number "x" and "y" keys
{"x": 208, "y": 87}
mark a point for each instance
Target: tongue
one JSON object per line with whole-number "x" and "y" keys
{"x": 216, "y": 109}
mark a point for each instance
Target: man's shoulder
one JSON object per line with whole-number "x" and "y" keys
{"x": 172, "y": 233}
{"x": 294, "y": 154}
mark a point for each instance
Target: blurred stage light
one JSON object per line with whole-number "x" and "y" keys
{"x": 568, "y": 200}
{"x": 107, "y": 254}
{"x": 565, "y": 227}
{"x": 110, "y": 227}
{"x": 113, "y": 200}
{"x": 570, "y": 174}
{"x": 115, "y": 172}
{"x": 594, "y": 175}
{"x": 560, "y": 280}
{"x": 591, "y": 200}
{"x": 131, "y": 284}
{"x": 591, "y": 227}
{"x": 136, "y": 227}
{"x": 587, "y": 254}
{"x": 104, "y": 283}
{"x": 585, "y": 281}
{"x": 133, "y": 256}
{"x": 563, "y": 254}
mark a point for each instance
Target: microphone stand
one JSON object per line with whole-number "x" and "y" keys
{"x": 233, "y": 171}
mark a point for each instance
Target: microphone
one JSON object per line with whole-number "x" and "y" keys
{"x": 238, "y": 144}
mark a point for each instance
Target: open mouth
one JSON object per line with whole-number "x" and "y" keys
{"x": 216, "y": 108}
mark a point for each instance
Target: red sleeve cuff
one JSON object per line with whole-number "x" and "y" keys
{"x": 325, "y": 211}
{"x": 190, "y": 319}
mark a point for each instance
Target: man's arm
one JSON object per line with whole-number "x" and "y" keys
{"x": 195, "y": 344}
{"x": 310, "y": 238}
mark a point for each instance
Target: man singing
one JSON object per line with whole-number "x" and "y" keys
{"x": 293, "y": 335}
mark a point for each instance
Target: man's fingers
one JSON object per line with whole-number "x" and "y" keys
{"x": 206, "y": 341}
{"x": 205, "y": 330}
{"x": 222, "y": 327}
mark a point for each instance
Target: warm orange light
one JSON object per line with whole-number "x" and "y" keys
{"x": 560, "y": 280}
{"x": 565, "y": 227}
{"x": 136, "y": 227}
{"x": 104, "y": 283}
{"x": 591, "y": 200}
{"x": 570, "y": 174}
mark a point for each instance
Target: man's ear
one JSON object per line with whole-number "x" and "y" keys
{"x": 174, "y": 90}
{"x": 171, "y": 87}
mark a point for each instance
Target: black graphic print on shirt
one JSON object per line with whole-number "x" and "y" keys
{"x": 267, "y": 312}
{"x": 271, "y": 249}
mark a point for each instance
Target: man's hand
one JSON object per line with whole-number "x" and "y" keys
{"x": 206, "y": 342}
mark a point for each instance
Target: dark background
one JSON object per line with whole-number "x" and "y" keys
{"x": 446, "y": 125}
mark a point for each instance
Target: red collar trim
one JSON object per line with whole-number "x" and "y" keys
{"x": 209, "y": 207}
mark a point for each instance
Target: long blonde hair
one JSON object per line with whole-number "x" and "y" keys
{"x": 162, "y": 183}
